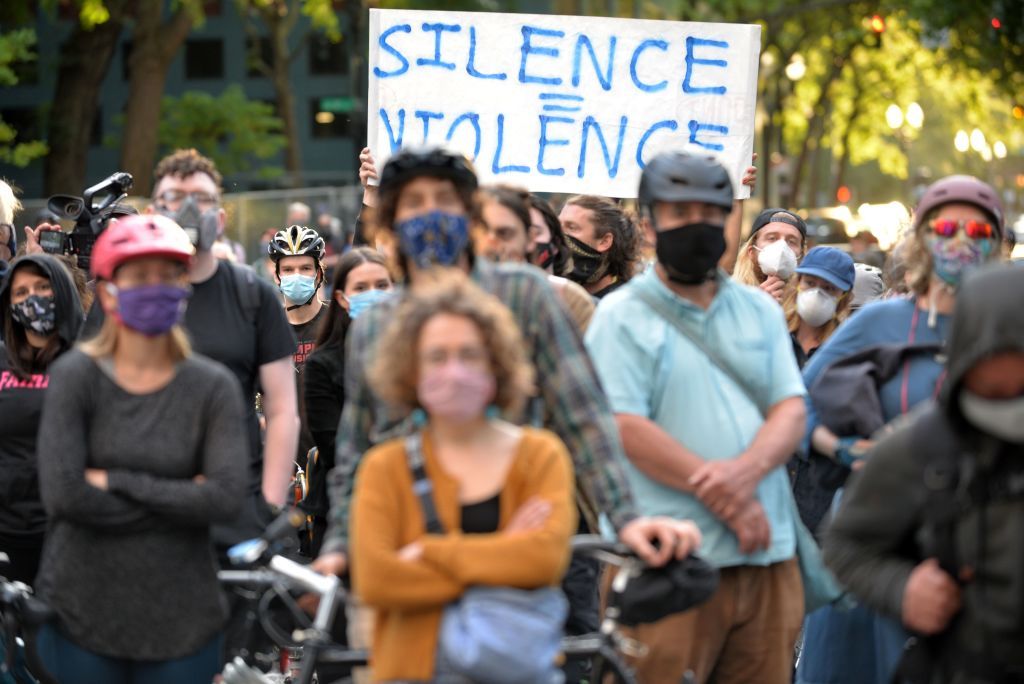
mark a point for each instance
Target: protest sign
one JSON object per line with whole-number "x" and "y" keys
{"x": 558, "y": 103}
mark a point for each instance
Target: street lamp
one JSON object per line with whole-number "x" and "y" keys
{"x": 977, "y": 140}
{"x": 962, "y": 141}
{"x": 915, "y": 115}
{"x": 894, "y": 116}
{"x": 796, "y": 68}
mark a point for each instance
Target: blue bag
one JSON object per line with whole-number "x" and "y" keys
{"x": 505, "y": 636}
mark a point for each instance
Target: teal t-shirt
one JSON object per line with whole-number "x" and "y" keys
{"x": 648, "y": 368}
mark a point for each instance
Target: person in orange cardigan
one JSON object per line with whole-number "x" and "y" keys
{"x": 504, "y": 494}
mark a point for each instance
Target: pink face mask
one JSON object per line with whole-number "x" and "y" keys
{"x": 456, "y": 392}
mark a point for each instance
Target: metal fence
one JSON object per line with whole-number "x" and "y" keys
{"x": 250, "y": 214}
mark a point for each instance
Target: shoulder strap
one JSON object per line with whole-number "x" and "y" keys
{"x": 663, "y": 311}
{"x": 421, "y": 484}
{"x": 247, "y": 290}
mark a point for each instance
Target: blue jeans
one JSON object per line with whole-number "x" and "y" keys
{"x": 850, "y": 646}
{"x": 69, "y": 663}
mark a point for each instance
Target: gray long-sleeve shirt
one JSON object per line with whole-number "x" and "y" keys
{"x": 131, "y": 571}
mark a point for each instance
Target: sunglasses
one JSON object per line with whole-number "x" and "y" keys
{"x": 975, "y": 229}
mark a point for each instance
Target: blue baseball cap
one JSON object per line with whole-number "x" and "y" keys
{"x": 830, "y": 264}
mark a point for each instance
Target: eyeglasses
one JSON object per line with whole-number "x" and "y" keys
{"x": 975, "y": 229}
{"x": 174, "y": 197}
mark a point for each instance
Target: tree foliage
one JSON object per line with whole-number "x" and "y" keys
{"x": 237, "y": 133}
{"x": 16, "y": 47}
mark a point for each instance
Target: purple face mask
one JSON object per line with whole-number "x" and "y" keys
{"x": 150, "y": 309}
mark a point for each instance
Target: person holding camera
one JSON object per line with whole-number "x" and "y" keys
{"x": 143, "y": 450}
{"x": 40, "y": 314}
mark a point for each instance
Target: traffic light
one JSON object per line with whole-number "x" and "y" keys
{"x": 843, "y": 194}
{"x": 996, "y": 24}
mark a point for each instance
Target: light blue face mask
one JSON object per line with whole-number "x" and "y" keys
{"x": 361, "y": 301}
{"x": 298, "y": 289}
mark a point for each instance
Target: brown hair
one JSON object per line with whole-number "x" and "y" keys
{"x": 609, "y": 217}
{"x": 748, "y": 272}
{"x": 516, "y": 200}
{"x": 335, "y": 324}
{"x": 394, "y": 371}
{"x": 387, "y": 202}
{"x": 184, "y": 163}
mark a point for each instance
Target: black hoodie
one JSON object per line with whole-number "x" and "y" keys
{"x": 882, "y": 530}
{"x": 21, "y": 402}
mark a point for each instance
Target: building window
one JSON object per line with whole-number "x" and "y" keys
{"x": 331, "y": 117}
{"x": 212, "y": 8}
{"x": 257, "y": 49}
{"x": 327, "y": 58}
{"x": 204, "y": 58}
{"x": 126, "y": 60}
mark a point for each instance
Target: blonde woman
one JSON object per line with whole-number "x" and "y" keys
{"x": 504, "y": 494}
{"x": 768, "y": 258}
{"x": 142, "y": 446}
{"x": 825, "y": 280}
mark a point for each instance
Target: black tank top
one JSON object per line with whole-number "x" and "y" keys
{"x": 481, "y": 517}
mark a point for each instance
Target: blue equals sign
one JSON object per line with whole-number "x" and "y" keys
{"x": 552, "y": 107}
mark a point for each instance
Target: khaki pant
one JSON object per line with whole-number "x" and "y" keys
{"x": 744, "y": 634}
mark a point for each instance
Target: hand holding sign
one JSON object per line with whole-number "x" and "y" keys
{"x": 561, "y": 104}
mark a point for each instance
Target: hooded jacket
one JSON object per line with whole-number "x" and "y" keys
{"x": 938, "y": 464}
{"x": 21, "y": 512}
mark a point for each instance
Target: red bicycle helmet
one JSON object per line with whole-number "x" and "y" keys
{"x": 966, "y": 189}
{"x": 143, "y": 235}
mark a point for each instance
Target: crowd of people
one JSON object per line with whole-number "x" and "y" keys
{"x": 482, "y": 375}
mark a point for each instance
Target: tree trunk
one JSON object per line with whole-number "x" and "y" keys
{"x": 154, "y": 45}
{"x": 84, "y": 61}
{"x": 844, "y": 160}
{"x": 286, "y": 103}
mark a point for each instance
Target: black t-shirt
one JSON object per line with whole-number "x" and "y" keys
{"x": 221, "y": 329}
{"x": 21, "y": 404}
{"x": 305, "y": 336}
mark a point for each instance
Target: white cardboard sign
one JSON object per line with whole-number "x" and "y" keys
{"x": 559, "y": 103}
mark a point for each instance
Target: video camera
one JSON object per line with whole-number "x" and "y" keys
{"x": 90, "y": 212}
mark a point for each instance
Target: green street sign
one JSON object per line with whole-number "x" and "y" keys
{"x": 337, "y": 104}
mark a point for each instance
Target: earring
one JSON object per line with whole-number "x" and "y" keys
{"x": 492, "y": 412}
{"x": 419, "y": 418}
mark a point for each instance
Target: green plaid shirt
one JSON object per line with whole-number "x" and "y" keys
{"x": 571, "y": 402}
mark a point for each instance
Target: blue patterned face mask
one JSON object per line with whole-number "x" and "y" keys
{"x": 953, "y": 259}
{"x": 361, "y": 301}
{"x": 433, "y": 239}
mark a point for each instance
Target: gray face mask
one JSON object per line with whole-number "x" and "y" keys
{"x": 1002, "y": 418}
{"x": 201, "y": 227}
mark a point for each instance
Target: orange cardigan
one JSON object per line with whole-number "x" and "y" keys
{"x": 410, "y": 596}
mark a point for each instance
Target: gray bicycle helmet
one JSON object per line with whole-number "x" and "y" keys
{"x": 296, "y": 241}
{"x": 685, "y": 177}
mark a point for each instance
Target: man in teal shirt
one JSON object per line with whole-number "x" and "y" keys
{"x": 706, "y": 443}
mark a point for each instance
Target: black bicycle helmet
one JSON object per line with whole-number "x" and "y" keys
{"x": 296, "y": 241}
{"x": 411, "y": 163}
{"x": 685, "y": 177}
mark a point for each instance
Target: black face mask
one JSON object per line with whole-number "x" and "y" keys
{"x": 588, "y": 265}
{"x": 690, "y": 253}
{"x": 543, "y": 255}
